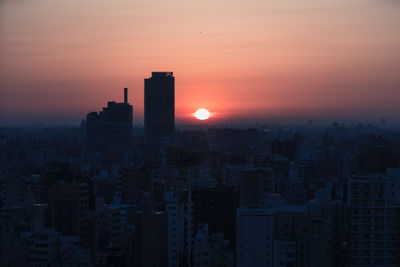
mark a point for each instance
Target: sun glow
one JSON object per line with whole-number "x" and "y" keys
{"x": 202, "y": 114}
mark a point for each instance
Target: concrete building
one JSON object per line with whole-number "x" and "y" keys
{"x": 45, "y": 248}
{"x": 282, "y": 235}
{"x": 176, "y": 231}
{"x": 159, "y": 108}
{"x": 13, "y": 191}
{"x": 255, "y": 233}
{"x": 211, "y": 250}
{"x": 151, "y": 237}
{"x": 374, "y": 204}
{"x": 284, "y": 253}
{"x": 254, "y": 185}
{"x": 68, "y": 210}
{"x": 112, "y": 125}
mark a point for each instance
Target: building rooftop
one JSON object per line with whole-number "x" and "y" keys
{"x": 162, "y": 74}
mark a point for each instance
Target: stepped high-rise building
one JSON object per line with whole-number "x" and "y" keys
{"x": 159, "y": 108}
{"x": 112, "y": 125}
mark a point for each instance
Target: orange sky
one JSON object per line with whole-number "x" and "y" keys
{"x": 259, "y": 59}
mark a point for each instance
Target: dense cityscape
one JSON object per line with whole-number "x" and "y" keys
{"x": 108, "y": 193}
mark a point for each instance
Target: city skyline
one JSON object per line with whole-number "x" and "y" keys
{"x": 210, "y": 133}
{"x": 268, "y": 61}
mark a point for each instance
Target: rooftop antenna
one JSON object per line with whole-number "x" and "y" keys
{"x": 126, "y": 95}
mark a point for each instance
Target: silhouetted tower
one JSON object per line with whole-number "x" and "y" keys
{"x": 159, "y": 108}
{"x": 112, "y": 125}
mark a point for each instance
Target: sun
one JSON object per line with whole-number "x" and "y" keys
{"x": 202, "y": 114}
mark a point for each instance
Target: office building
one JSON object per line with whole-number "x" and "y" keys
{"x": 112, "y": 125}
{"x": 159, "y": 108}
{"x": 374, "y": 220}
{"x": 255, "y": 233}
{"x": 68, "y": 210}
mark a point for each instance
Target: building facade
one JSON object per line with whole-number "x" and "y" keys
{"x": 159, "y": 108}
{"x": 374, "y": 221}
{"x": 112, "y": 125}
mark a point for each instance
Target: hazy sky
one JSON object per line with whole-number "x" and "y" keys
{"x": 264, "y": 59}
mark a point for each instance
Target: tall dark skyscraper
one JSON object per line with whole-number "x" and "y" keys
{"x": 159, "y": 108}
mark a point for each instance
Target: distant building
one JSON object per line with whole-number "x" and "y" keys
{"x": 68, "y": 210}
{"x": 374, "y": 220}
{"x": 175, "y": 232}
{"x": 133, "y": 181}
{"x": 284, "y": 253}
{"x": 112, "y": 125}
{"x": 282, "y": 235}
{"x": 377, "y": 156}
{"x": 13, "y": 191}
{"x": 255, "y": 234}
{"x": 211, "y": 250}
{"x": 159, "y": 108}
{"x": 309, "y": 229}
{"x": 152, "y": 237}
{"x": 217, "y": 208}
{"x": 254, "y": 184}
{"x": 44, "y": 248}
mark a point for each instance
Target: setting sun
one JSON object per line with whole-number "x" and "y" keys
{"x": 202, "y": 114}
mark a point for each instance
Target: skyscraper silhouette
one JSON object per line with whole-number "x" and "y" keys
{"x": 159, "y": 108}
{"x": 112, "y": 125}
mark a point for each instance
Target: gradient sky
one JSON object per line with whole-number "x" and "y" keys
{"x": 259, "y": 59}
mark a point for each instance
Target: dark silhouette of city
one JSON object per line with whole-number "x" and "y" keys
{"x": 173, "y": 133}
{"x": 111, "y": 194}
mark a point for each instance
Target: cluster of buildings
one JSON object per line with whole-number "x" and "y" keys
{"x": 111, "y": 194}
